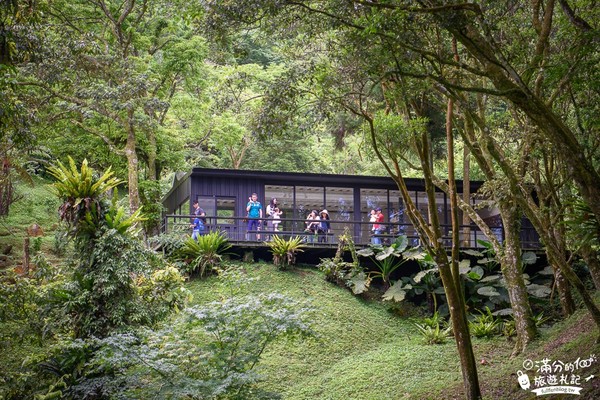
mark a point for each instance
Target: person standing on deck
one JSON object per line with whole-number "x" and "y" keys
{"x": 377, "y": 226}
{"x": 255, "y": 213}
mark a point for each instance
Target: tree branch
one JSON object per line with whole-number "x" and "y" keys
{"x": 99, "y": 134}
{"x": 574, "y": 19}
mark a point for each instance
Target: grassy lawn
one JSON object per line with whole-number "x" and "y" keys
{"x": 35, "y": 204}
{"x": 363, "y": 351}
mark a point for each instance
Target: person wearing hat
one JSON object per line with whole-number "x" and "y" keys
{"x": 324, "y": 225}
{"x": 377, "y": 226}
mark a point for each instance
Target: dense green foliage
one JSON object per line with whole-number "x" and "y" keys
{"x": 497, "y": 91}
{"x": 284, "y": 250}
{"x": 201, "y": 257}
{"x": 101, "y": 295}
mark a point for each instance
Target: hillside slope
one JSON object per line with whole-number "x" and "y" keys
{"x": 365, "y": 352}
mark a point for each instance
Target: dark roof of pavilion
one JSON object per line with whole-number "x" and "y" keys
{"x": 310, "y": 179}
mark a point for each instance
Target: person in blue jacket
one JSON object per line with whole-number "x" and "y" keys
{"x": 198, "y": 222}
{"x": 197, "y": 228}
{"x": 255, "y": 214}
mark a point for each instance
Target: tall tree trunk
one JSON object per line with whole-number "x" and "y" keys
{"x": 451, "y": 277}
{"x": 152, "y": 171}
{"x": 26, "y": 258}
{"x": 6, "y": 187}
{"x": 510, "y": 263}
{"x": 132, "y": 165}
{"x": 565, "y": 297}
{"x": 431, "y": 235}
{"x": 466, "y": 221}
{"x": 562, "y": 285}
{"x": 462, "y": 336}
{"x": 590, "y": 256}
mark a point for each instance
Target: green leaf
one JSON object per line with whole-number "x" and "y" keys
{"x": 474, "y": 253}
{"x": 366, "y": 252}
{"x": 464, "y": 266}
{"x": 401, "y": 243}
{"x": 529, "y": 258}
{"x": 476, "y": 273}
{"x": 396, "y": 292}
{"x": 538, "y": 290}
{"x": 488, "y": 291}
{"x": 360, "y": 283}
{"x": 548, "y": 270}
{"x": 421, "y": 274}
{"x": 490, "y": 278}
{"x": 503, "y": 312}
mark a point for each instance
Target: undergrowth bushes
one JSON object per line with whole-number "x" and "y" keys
{"x": 210, "y": 351}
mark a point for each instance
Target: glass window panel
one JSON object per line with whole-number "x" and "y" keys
{"x": 491, "y": 216}
{"x": 397, "y": 214}
{"x": 309, "y": 198}
{"x": 423, "y": 207}
{"x": 340, "y": 206}
{"x": 369, "y": 200}
{"x": 285, "y": 200}
{"x": 225, "y": 211}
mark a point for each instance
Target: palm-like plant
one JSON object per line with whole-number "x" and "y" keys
{"x": 116, "y": 218}
{"x": 204, "y": 255}
{"x": 284, "y": 251}
{"x": 81, "y": 193}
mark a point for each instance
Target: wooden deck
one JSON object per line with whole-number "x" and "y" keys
{"x": 235, "y": 228}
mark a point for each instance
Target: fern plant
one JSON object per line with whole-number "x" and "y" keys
{"x": 284, "y": 251}
{"x": 433, "y": 334}
{"x": 484, "y": 325}
{"x": 116, "y": 218}
{"x": 81, "y": 193}
{"x": 202, "y": 256}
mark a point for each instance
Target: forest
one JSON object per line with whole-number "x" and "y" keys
{"x": 104, "y": 102}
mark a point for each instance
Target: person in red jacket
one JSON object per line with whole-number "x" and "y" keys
{"x": 377, "y": 226}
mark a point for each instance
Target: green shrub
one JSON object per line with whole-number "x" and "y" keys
{"x": 284, "y": 251}
{"x": 211, "y": 354}
{"x": 508, "y": 328}
{"x": 387, "y": 259}
{"x": 342, "y": 273}
{"x": 203, "y": 256}
{"x": 484, "y": 325}
{"x": 101, "y": 295}
{"x": 163, "y": 291}
{"x": 170, "y": 243}
{"x": 435, "y": 320}
{"x": 433, "y": 334}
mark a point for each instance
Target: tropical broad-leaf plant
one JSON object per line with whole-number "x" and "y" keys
{"x": 387, "y": 259}
{"x": 81, "y": 193}
{"x": 284, "y": 251}
{"x": 427, "y": 281}
{"x": 203, "y": 255}
{"x": 485, "y": 287}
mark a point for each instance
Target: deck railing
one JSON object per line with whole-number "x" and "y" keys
{"x": 235, "y": 228}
